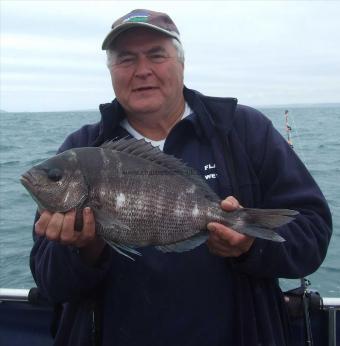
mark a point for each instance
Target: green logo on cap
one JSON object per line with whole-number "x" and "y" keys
{"x": 137, "y": 19}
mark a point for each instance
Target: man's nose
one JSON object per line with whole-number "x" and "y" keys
{"x": 143, "y": 67}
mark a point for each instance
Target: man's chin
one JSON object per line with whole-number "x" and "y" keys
{"x": 144, "y": 107}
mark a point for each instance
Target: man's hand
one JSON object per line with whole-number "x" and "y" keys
{"x": 224, "y": 241}
{"x": 60, "y": 228}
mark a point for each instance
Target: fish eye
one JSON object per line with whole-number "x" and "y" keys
{"x": 55, "y": 174}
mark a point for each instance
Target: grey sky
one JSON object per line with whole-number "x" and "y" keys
{"x": 262, "y": 52}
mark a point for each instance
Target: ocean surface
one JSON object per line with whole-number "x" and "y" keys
{"x": 28, "y": 138}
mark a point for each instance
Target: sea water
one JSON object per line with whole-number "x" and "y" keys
{"x": 28, "y": 138}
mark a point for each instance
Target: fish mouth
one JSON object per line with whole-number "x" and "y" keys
{"x": 27, "y": 180}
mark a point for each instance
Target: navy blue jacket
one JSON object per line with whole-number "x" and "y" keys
{"x": 254, "y": 163}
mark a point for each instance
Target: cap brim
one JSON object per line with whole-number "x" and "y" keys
{"x": 114, "y": 33}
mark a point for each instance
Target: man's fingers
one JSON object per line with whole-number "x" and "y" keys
{"x": 54, "y": 226}
{"x": 88, "y": 232}
{"x": 230, "y": 204}
{"x": 224, "y": 241}
{"x": 222, "y": 232}
{"x": 228, "y": 235}
{"x": 67, "y": 234}
{"x": 61, "y": 227}
{"x": 42, "y": 223}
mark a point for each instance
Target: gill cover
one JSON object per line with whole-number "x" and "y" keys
{"x": 58, "y": 184}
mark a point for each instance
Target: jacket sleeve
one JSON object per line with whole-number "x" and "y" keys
{"x": 57, "y": 269}
{"x": 61, "y": 275}
{"x": 284, "y": 182}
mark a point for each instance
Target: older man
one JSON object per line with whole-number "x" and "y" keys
{"x": 224, "y": 292}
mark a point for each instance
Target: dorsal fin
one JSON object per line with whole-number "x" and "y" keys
{"x": 144, "y": 150}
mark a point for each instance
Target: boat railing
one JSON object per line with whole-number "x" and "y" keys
{"x": 331, "y": 305}
{"x": 32, "y": 296}
{"x": 326, "y": 305}
{"x": 14, "y": 294}
{"x": 26, "y": 295}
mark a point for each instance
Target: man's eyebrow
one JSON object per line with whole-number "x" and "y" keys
{"x": 124, "y": 53}
{"x": 157, "y": 49}
{"x": 152, "y": 50}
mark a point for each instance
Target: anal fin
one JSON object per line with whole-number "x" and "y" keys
{"x": 185, "y": 245}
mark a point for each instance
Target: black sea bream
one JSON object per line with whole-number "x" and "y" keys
{"x": 141, "y": 196}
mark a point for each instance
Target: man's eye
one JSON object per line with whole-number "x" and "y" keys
{"x": 157, "y": 58}
{"x": 125, "y": 61}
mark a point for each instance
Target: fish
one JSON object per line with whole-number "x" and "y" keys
{"x": 141, "y": 196}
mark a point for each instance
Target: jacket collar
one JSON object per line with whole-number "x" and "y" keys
{"x": 112, "y": 113}
{"x": 212, "y": 112}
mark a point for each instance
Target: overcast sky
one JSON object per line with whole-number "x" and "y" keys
{"x": 262, "y": 52}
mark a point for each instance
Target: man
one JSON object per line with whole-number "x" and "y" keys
{"x": 224, "y": 292}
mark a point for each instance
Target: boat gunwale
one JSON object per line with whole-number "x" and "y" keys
{"x": 22, "y": 295}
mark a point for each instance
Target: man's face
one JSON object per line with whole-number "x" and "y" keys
{"x": 147, "y": 76}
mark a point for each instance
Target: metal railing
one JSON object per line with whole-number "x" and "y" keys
{"x": 22, "y": 295}
{"x": 330, "y": 305}
{"x": 14, "y": 295}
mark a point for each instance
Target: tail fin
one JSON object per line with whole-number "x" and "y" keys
{"x": 260, "y": 223}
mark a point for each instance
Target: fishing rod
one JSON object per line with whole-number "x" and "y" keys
{"x": 306, "y": 308}
{"x": 288, "y": 129}
{"x": 306, "y": 295}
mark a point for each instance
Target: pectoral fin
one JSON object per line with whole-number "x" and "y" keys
{"x": 108, "y": 223}
{"x": 122, "y": 249}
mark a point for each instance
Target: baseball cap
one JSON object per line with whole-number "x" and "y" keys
{"x": 157, "y": 21}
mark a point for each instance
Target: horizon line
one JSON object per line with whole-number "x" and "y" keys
{"x": 279, "y": 105}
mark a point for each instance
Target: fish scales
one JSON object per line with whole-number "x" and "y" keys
{"x": 157, "y": 195}
{"x": 143, "y": 183}
{"x": 141, "y": 196}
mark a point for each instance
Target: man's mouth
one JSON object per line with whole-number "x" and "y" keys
{"x": 144, "y": 88}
